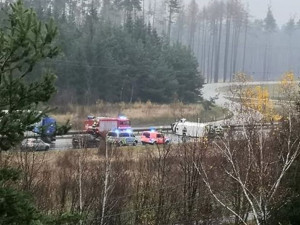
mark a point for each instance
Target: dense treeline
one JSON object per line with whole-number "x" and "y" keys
{"x": 226, "y": 39}
{"x": 121, "y": 51}
{"x": 126, "y": 63}
{"x": 222, "y": 34}
{"x": 114, "y": 62}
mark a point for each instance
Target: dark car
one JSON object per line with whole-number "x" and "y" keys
{"x": 85, "y": 141}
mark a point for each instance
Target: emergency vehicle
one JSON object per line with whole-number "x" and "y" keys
{"x": 153, "y": 137}
{"x": 121, "y": 138}
{"x": 101, "y": 125}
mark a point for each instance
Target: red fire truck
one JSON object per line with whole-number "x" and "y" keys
{"x": 97, "y": 128}
{"x": 101, "y": 125}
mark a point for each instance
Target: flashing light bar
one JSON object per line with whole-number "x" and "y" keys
{"x": 152, "y": 129}
{"x": 117, "y": 131}
{"x": 129, "y": 131}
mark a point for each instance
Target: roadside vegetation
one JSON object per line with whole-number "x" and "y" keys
{"x": 288, "y": 82}
{"x": 270, "y": 100}
{"x": 142, "y": 114}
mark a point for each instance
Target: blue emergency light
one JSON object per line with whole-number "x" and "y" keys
{"x": 152, "y": 129}
{"x": 128, "y": 130}
{"x": 116, "y": 130}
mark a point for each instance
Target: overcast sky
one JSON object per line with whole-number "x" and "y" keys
{"x": 283, "y": 10}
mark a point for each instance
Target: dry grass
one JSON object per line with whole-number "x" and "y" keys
{"x": 134, "y": 175}
{"x": 50, "y": 158}
{"x": 140, "y": 114}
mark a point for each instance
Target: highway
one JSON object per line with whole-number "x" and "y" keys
{"x": 65, "y": 143}
{"x": 209, "y": 91}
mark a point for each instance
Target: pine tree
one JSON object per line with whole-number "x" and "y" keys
{"x": 270, "y": 23}
{"x": 16, "y": 207}
{"x": 269, "y": 27}
{"x": 173, "y": 7}
{"x": 25, "y": 41}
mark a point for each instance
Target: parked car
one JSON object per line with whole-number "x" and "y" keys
{"x": 122, "y": 138}
{"x": 154, "y": 137}
{"x": 86, "y": 141}
{"x": 34, "y": 144}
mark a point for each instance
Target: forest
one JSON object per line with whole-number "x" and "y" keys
{"x": 161, "y": 51}
{"x": 115, "y": 62}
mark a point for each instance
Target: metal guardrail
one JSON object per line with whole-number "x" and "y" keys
{"x": 160, "y": 128}
{"x": 134, "y": 129}
{"x": 263, "y": 125}
{"x": 78, "y": 132}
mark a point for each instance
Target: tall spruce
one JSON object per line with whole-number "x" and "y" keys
{"x": 269, "y": 27}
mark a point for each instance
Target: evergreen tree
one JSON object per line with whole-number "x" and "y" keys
{"x": 269, "y": 27}
{"x": 111, "y": 61}
{"x": 269, "y": 22}
{"x": 16, "y": 207}
{"x": 184, "y": 67}
{"x": 25, "y": 41}
{"x": 173, "y": 7}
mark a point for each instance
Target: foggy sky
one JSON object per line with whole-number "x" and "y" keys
{"x": 283, "y": 10}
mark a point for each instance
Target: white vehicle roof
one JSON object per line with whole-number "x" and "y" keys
{"x": 190, "y": 124}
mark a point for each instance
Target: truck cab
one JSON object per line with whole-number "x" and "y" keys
{"x": 46, "y": 128}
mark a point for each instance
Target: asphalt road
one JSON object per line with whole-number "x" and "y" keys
{"x": 66, "y": 143}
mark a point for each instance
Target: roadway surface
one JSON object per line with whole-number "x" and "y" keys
{"x": 66, "y": 143}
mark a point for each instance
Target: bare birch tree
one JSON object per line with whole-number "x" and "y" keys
{"x": 107, "y": 181}
{"x": 255, "y": 159}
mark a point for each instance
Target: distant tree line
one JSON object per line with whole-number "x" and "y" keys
{"x": 116, "y": 60}
{"x": 222, "y": 35}
{"x": 227, "y": 40}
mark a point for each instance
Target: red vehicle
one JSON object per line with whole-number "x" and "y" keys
{"x": 101, "y": 125}
{"x": 154, "y": 137}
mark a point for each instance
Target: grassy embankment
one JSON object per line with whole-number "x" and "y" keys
{"x": 141, "y": 114}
